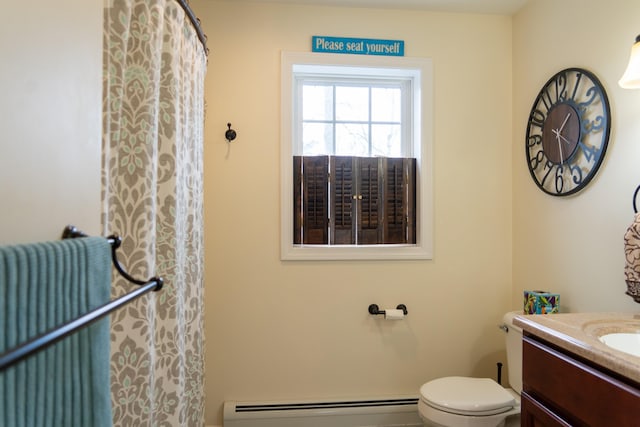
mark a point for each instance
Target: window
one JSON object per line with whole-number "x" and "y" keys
{"x": 356, "y": 157}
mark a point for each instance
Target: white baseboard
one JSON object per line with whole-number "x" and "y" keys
{"x": 385, "y": 411}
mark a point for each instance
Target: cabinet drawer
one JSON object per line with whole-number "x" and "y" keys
{"x": 576, "y": 392}
{"x": 535, "y": 414}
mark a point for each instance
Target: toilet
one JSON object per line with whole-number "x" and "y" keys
{"x": 477, "y": 402}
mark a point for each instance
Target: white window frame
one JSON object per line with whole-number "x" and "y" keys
{"x": 420, "y": 71}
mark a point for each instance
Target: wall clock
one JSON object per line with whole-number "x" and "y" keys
{"x": 568, "y": 132}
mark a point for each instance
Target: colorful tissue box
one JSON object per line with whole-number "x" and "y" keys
{"x": 541, "y": 302}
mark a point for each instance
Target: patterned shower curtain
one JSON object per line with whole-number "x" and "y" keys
{"x": 153, "y": 108}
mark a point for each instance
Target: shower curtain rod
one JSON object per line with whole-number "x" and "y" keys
{"x": 196, "y": 24}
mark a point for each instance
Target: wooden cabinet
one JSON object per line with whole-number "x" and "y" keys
{"x": 559, "y": 389}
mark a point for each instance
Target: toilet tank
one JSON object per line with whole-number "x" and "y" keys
{"x": 514, "y": 351}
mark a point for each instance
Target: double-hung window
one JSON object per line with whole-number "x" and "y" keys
{"x": 356, "y": 157}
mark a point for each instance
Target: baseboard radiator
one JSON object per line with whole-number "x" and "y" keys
{"x": 394, "y": 412}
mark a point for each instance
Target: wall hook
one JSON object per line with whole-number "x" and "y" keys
{"x": 230, "y": 134}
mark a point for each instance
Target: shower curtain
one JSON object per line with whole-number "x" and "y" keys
{"x": 153, "y": 108}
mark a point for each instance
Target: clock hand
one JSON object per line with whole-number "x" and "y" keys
{"x": 560, "y": 136}
{"x": 564, "y": 123}
{"x": 560, "y": 147}
{"x": 565, "y": 139}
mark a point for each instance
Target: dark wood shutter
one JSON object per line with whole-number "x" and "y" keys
{"x": 343, "y": 206}
{"x": 310, "y": 200}
{"x": 368, "y": 188}
{"x": 345, "y": 200}
{"x": 297, "y": 200}
{"x": 399, "y": 200}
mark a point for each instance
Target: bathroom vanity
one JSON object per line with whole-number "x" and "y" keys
{"x": 571, "y": 378}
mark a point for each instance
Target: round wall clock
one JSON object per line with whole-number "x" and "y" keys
{"x": 568, "y": 132}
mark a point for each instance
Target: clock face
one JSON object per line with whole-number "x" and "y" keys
{"x": 568, "y": 132}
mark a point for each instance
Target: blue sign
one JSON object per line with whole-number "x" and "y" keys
{"x": 357, "y": 46}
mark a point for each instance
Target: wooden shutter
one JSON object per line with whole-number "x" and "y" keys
{"x": 343, "y": 204}
{"x": 399, "y": 201}
{"x": 297, "y": 200}
{"x": 311, "y": 200}
{"x": 368, "y": 188}
{"x": 371, "y": 200}
{"x": 410, "y": 202}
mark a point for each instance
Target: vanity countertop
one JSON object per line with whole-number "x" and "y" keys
{"x": 578, "y": 333}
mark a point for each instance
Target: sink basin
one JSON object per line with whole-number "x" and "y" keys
{"x": 627, "y": 342}
{"x": 616, "y": 332}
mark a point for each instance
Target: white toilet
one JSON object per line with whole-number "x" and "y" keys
{"x": 477, "y": 402}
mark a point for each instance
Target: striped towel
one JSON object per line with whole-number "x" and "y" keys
{"x": 42, "y": 286}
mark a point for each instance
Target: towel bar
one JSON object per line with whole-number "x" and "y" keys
{"x": 49, "y": 338}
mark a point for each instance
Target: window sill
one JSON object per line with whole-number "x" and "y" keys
{"x": 355, "y": 252}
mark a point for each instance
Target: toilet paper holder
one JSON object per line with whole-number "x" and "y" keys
{"x": 375, "y": 310}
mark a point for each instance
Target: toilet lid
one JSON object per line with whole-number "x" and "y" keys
{"x": 467, "y": 396}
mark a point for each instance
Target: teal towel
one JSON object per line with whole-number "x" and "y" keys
{"x": 44, "y": 285}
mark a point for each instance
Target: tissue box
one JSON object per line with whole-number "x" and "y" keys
{"x": 541, "y": 302}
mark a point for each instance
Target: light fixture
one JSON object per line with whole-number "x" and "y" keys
{"x": 631, "y": 77}
{"x": 631, "y": 80}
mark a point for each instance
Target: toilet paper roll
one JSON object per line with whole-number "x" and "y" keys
{"x": 393, "y": 314}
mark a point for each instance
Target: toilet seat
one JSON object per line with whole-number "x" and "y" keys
{"x": 467, "y": 396}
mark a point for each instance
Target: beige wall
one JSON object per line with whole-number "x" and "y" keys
{"x": 50, "y": 117}
{"x": 574, "y": 245}
{"x": 292, "y": 330}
